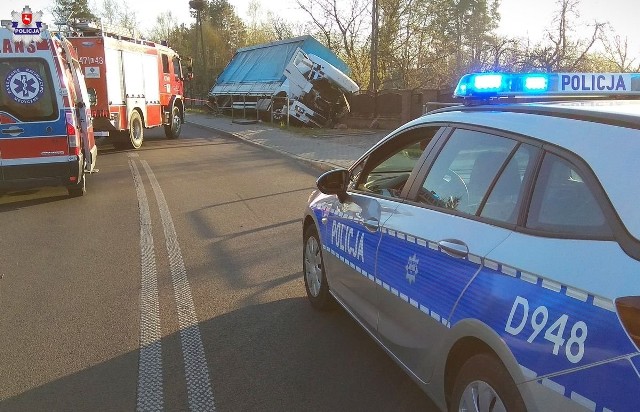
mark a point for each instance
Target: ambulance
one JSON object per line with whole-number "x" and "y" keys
{"x": 46, "y": 136}
{"x": 134, "y": 84}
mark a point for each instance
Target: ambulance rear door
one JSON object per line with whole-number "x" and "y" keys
{"x": 33, "y": 139}
{"x": 82, "y": 108}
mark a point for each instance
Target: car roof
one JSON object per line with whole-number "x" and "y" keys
{"x": 616, "y": 112}
{"x": 605, "y": 133}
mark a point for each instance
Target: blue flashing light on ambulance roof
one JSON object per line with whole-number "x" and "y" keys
{"x": 485, "y": 85}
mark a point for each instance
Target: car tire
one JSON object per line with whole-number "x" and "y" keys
{"x": 484, "y": 385}
{"x": 315, "y": 279}
{"x": 79, "y": 189}
{"x": 136, "y": 130}
{"x": 172, "y": 130}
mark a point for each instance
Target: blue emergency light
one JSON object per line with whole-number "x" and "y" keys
{"x": 489, "y": 85}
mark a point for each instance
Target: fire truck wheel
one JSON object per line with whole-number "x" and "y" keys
{"x": 136, "y": 130}
{"x": 172, "y": 130}
{"x": 78, "y": 190}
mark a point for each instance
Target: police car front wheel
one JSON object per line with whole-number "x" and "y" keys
{"x": 484, "y": 385}
{"x": 315, "y": 279}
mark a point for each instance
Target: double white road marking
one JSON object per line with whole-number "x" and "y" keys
{"x": 150, "y": 387}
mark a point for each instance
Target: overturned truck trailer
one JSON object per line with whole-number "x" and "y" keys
{"x": 298, "y": 77}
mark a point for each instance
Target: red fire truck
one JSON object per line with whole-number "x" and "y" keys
{"x": 133, "y": 84}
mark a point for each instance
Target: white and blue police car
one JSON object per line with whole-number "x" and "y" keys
{"x": 493, "y": 248}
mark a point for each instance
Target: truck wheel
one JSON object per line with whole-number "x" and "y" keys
{"x": 136, "y": 130}
{"x": 172, "y": 130}
{"x": 79, "y": 189}
{"x": 484, "y": 385}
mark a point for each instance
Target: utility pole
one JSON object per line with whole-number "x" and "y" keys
{"x": 373, "y": 81}
{"x": 198, "y": 6}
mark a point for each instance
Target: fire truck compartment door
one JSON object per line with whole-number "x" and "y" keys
{"x": 151, "y": 79}
{"x": 133, "y": 76}
{"x": 113, "y": 73}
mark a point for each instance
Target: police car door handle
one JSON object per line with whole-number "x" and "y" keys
{"x": 454, "y": 247}
{"x": 371, "y": 224}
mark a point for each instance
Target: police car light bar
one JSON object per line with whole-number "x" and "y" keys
{"x": 488, "y": 85}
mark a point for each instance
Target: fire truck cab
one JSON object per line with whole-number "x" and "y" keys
{"x": 46, "y": 137}
{"x": 134, "y": 84}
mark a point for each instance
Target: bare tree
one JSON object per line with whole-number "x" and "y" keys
{"x": 341, "y": 24}
{"x": 117, "y": 13}
{"x": 165, "y": 25}
{"x": 109, "y": 12}
{"x": 563, "y": 50}
{"x": 617, "y": 54}
{"x": 261, "y": 28}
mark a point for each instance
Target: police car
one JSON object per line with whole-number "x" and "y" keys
{"x": 492, "y": 248}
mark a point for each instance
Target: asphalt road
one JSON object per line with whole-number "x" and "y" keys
{"x": 176, "y": 284}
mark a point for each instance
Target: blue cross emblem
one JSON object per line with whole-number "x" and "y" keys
{"x": 24, "y": 85}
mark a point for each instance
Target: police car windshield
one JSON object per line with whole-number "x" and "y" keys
{"x": 27, "y": 91}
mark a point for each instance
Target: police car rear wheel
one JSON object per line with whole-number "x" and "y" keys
{"x": 136, "y": 130}
{"x": 315, "y": 280}
{"x": 172, "y": 130}
{"x": 484, "y": 385}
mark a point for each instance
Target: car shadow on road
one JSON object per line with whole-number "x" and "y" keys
{"x": 276, "y": 356}
{"x": 18, "y": 200}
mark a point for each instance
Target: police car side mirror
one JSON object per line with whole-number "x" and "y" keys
{"x": 334, "y": 182}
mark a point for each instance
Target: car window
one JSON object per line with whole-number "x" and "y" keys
{"x": 386, "y": 170}
{"x": 464, "y": 170}
{"x": 27, "y": 89}
{"x": 177, "y": 69}
{"x": 504, "y": 200}
{"x": 563, "y": 203}
{"x": 165, "y": 64}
